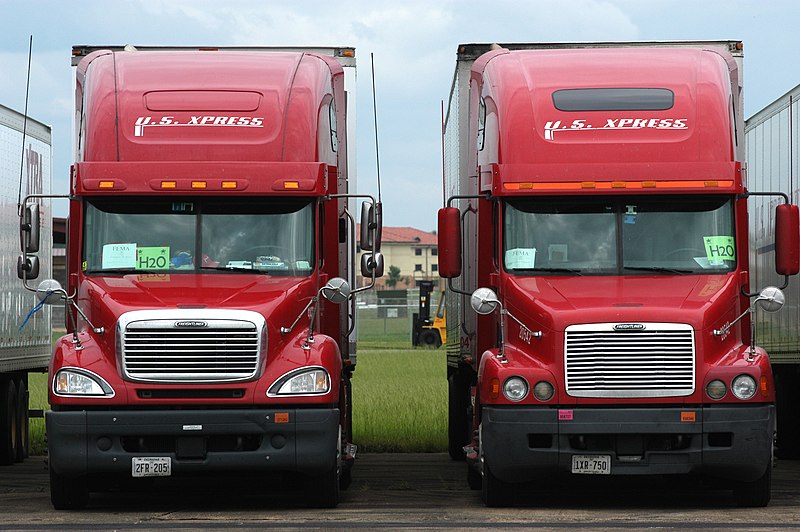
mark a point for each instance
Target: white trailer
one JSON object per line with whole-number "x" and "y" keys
{"x": 25, "y": 168}
{"x": 773, "y": 163}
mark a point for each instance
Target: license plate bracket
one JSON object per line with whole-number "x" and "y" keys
{"x": 151, "y": 466}
{"x": 591, "y": 464}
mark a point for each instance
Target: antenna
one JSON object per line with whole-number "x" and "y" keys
{"x": 24, "y": 127}
{"x": 375, "y": 117}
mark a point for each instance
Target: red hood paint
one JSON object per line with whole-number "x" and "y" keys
{"x": 557, "y": 302}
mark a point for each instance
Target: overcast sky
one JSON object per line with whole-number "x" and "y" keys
{"x": 414, "y": 44}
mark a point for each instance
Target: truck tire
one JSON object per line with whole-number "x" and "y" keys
{"x": 322, "y": 491}
{"x": 494, "y": 492}
{"x": 68, "y": 493}
{"x": 8, "y": 422}
{"x": 457, "y": 417}
{"x": 22, "y": 421}
{"x": 755, "y": 494}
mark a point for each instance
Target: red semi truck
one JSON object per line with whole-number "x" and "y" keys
{"x": 210, "y": 253}
{"x": 597, "y": 222}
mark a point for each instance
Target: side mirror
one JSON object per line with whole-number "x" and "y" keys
{"x": 50, "y": 292}
{"x": 449, "y": 242}
{"x": 29, "y": 229}
{"x": 28, "y": 267}
{"x": 484, "y": 301}
{"x": 337, "y": 290}
{"x": 371, "y": 226}
{"x": 771, "y": 299}
{"x": 372, "y": 262}
{"x": 787, "y": 239}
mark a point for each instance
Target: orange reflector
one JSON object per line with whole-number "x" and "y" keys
{"x": 106, "y": 184}
{"x": 291, "y": 185}
{"x": 169, "y": 184}
{"x": 348, "y": 53}
{"x": 494, "y": 388}
{"x": 764, "y": 386}
{"x": 198, "y": 184}
{"x": 229, "y": 184}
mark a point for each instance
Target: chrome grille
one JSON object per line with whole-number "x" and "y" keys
{"x": 190, "y": 346}
{"x": 657, "y": 360}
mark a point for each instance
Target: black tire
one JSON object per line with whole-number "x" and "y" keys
{"x": 458, "y": 421}
{"x": 68, "y": 493}
{"x": 322, "y": 491}
{"x": 430, "y": 338}
{"x": 473, "y": 478}
{"x": 755, "y": 494}
{"x": 22, "y": 421}
{"x": 494, "y": 492}
{"x": 8, "y": 422}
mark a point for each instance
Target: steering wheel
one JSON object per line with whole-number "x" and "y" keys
{"x": 678, "y": 251}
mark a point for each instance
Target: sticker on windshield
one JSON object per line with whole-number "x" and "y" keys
{"x": 520, "y": 258}
{"x": 152, "y": 258}
{"x": 719, "y": 248}
{"x": 119, "y": 256}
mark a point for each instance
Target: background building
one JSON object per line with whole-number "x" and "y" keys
{"x": 413, "y": 251}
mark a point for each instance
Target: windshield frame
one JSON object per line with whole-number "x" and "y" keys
{"x": 624, "y": 264}
{"x": 199, "y": 215}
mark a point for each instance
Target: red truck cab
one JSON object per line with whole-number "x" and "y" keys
{"x": 208, "y": 239}
{"x": 605, "y": 217}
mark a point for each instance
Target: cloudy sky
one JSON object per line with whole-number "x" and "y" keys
{"x": 413, "y": 42}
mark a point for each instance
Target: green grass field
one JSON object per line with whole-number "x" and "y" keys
{"x": 399, "y": 393}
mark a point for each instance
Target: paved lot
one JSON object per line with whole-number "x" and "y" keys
{"x": 397, "y": 491}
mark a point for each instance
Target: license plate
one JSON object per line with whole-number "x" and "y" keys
{"x": 591, "y": 464}
{"x": 151, "y": 466}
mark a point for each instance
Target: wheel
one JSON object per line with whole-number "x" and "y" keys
{"x": 430, "y": 338}
{"x": 68, "y": 493}
{"x": 22, "y": 421}
{"x": 473, "y": 478}
{"x": 755, "y": 494}
{"x": 8, "y": 422}
{"x": 457, "y": 416}
{"x": 322, "y": 491}
{"x": 494, "y": 492}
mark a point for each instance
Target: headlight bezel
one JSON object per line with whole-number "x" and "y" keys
{"x": 276, "y": 389}
{"x": 99, "y": 386}
{"x": 552, "y": 391}
{"x": 716, "y": 382}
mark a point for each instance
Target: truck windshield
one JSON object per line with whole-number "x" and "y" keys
{"x": 619, "y": 235}
{"x": 130, "y": 235}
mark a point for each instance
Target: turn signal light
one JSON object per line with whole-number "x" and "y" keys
{"x": 494, "y": 388}
{"x": 764, "y": 386}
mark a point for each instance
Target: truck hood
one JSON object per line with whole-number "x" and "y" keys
{"x": 557, "y": 302}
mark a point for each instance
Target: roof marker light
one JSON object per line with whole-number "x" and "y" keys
{"x": 294, "y": 185}
{"x": 229, "y": 184}
{"x": 105, "y": 184}
{"x": 169, "y": 184}
{"x": 198, "y": 184}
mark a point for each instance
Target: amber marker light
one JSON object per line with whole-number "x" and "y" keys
{"x": 494, "y": 388}
{"x": 198, "y": 184}
{"x": 619, "y": 184}
{"x": 710, "y": 183}
{"x": 229, "y": 184}
{"x": 764, "y": 386}
{"x": 588, "y": 184}
{"x": 648, "y": 184}
{"x": 169, "y": 184}
{"x": 106, "y": 184}
{"x": 291, "y": 185}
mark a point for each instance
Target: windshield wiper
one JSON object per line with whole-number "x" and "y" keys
{"x": 232, "y": 269}
{"x": 548, "y": 270}
{"x": 656, "y": 269}
{"x": 127, "y": 271}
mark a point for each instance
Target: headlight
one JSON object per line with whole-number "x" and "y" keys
{"x": 515, "y": 389}
{"x": 716, "y": 389}
{"x": 744, "y": 387}
{"x": 75, "y": 381}
{"x": 306, "y": 381}
{"x": 543, "y": 391}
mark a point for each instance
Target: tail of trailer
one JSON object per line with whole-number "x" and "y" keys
{"x": 25, "y": 155}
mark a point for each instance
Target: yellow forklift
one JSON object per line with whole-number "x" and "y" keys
{"x": 429, "y": 331}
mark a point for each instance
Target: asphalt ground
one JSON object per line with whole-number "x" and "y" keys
{"x": 396, "y": 491}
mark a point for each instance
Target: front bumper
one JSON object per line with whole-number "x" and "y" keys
{"x": 735, "y": 443}
{"x": 104, "y": 442}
